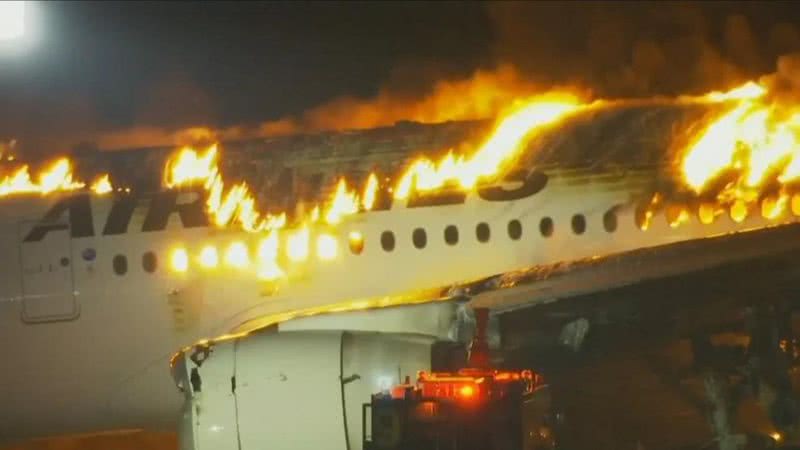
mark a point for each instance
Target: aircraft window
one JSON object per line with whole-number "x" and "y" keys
{"x": 451, "y": 235}
{"x": 387, "y": 241}
{"x": 546, "y": 226}
{"x": 707, "y": 212}
{"x": 419, "y": 238}
{"x": 610, "y": 220}
{"x": 578, "y": 223}
{"x": 482, "y": 232}
{"x": 356, "y": 242}
{"x": 515, "y": 229}
{"x": 149, "y": 262}
{"x": 120, "y": 264}
{"x": 64, "y": 261}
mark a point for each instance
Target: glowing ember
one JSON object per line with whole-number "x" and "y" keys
{"x": 102, "y": 185}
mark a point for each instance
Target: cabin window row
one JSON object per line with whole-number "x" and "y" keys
{"x": 120, "y": 263}
{"x": 483, "y": 232}
{"x": 419, "y": 238}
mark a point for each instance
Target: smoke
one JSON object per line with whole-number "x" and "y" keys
{"x": 784, "y": 84}
{"x": 618, "y": 50}
{"x": 481, "y": 95}
{"x": 611, "y": 50}
{"x": 641, "y": 49}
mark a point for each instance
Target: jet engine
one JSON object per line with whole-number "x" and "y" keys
{"x": 290, "y": 389}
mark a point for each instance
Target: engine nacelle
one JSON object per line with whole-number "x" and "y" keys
{"x": 291, "y": 389}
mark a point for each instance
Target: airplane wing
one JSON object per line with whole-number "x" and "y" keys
{"x": 621, "y": 273}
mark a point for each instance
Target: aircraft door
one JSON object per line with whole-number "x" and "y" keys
{"x": 48, "y": 291}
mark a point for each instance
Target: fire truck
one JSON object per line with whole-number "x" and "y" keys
{"x": 474, "y": 408}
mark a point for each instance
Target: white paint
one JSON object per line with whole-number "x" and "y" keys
{"x": 12, "y": 20}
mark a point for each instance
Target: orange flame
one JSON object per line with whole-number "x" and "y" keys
{"x": 503, "y": 144}
{"x": 344, "y": 203}
{"x": 756, "y": 143}
{"x": 236, "y": 205}
{"x": 56, "y": 177}
{"x": 102, "y": 185}
{"x": 370, "y": 192}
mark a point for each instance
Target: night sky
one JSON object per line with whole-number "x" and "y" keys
{"x": 103, "y": 67}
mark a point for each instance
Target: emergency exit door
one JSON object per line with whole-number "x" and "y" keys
{"x": 48, "y": 291}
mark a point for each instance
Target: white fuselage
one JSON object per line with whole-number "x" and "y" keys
{"x": 88, "y": 349}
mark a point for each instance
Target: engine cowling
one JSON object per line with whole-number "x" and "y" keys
{"x": 291, "y": 389}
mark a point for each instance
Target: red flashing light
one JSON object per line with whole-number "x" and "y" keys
{"x": 466, "y": 391}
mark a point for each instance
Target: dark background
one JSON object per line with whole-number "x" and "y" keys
{"x": 105, "y": 68}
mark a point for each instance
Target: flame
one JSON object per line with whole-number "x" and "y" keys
{"x": 772, "y": 208}
{"x": 297, "y": 244}
{"x": 102, "y": 185}
{"x": 370, "y": 192}
{"x": 190, "y": 167}
{"x": 484, "y": 94}
{"x": 749, "y": 90}
{"x": 57, "y": 177}
{"x": 268, "y": 268}
{"x": 344, "y": 202}
{"x": 713, "y": 151}
{"x": 757, "y": 141}
{"x": 236, "y": 205}
{"x": 505, "y": 142}
{"x": 746, "y": 154}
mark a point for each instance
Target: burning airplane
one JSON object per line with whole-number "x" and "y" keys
{"x": 205, "y": 271}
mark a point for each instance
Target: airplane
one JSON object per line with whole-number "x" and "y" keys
{"x": 132, "y": 310}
